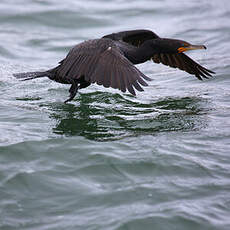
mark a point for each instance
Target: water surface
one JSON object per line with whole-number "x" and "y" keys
{"x": 109, "y": 160}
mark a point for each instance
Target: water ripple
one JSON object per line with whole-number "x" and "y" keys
{"x": 109, "y": 160}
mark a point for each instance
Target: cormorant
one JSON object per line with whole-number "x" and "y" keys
{"x": 110, "y": 60}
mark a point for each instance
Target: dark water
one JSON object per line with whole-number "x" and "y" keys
{"x": 109, "y": 160}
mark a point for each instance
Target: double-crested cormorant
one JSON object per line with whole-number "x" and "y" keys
{"x": 110, "y": 60}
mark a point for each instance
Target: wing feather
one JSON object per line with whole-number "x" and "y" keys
{"x": 171, "y": 61}
{"x": 183, "y": 62}
{"x": 120, "y": 76}
{"x": 137, "y": 86}
{"x": 156, "y": 59}
{"x": 113, "y": 80}
{"x": 124, "y": 75}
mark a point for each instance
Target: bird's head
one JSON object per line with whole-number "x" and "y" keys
{"x": 165, "y": 45}
{"x": 185, "y": 46}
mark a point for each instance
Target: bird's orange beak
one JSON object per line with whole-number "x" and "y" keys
{"x": 191, "y": 47}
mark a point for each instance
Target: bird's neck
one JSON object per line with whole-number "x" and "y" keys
{"x": 140, "y": 54}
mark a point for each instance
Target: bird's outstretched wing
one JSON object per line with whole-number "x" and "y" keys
{"x": 133, "y": 37}
{"x": 101, "y": 62}
{"x": 183, "y": 62}
{"x": 115, "y": 70}
{"x": 176, "y": 60}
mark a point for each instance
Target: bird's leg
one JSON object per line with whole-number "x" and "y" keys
{"x": 73, "y": 91}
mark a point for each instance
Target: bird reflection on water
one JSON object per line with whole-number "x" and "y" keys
{"x": 103, "y": 117}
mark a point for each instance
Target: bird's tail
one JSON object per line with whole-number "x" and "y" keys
{"x": 30, "y": 75}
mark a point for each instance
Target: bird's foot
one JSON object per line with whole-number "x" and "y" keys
{"x": 73, "y": 91}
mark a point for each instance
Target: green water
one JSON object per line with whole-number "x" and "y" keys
{"x": 110, "y": 160}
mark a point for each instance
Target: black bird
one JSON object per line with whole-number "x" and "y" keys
{"x": 110, "y": 60}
